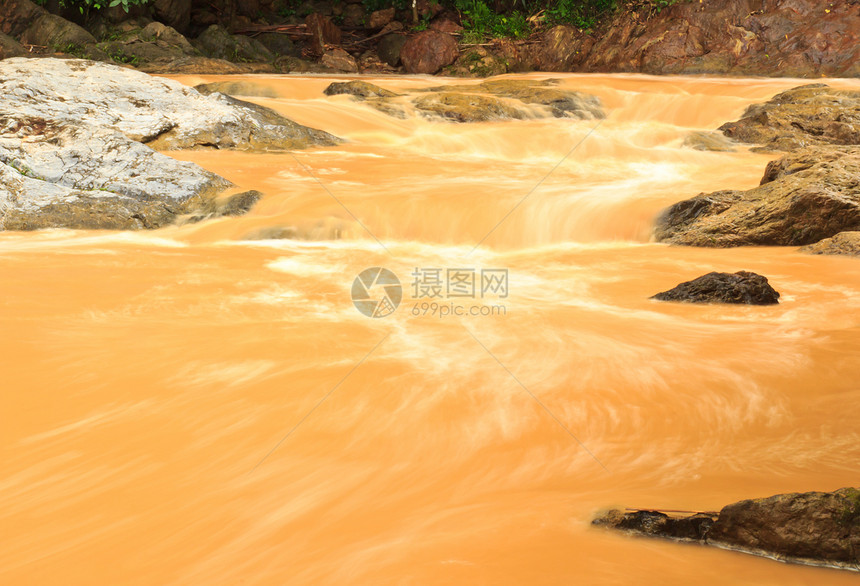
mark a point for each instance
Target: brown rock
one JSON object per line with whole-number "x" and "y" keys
{"x": 844, "y": 243}
{"x": 428, "y": 52}
{"x": 703, "y": 140}
{"x": 468, "y": 107}
{"x": 16, "y": 16}
{"x": 54, "y": 32}
{"x": 740, "y": 288}
{"x": 358, "y": 89}
{"x": 740, "y": 37}
{"x": 353, "y": 16}
{"x": 204, "y": 65}
{"x": 9, "y": 47}
{"x": 380, "y": 18}
{"x": 820, "y": 528}
{"x": 340, "y": 60}
{"x": 805, "y": 197}
{"x": 174, "y": 13}
{"x": 445, "y": 25}
{"x": 390, "y": 48}
{"x": 804, "y": 116}
{"x": 563, "y": 48}
{"x": 815, "y": 526}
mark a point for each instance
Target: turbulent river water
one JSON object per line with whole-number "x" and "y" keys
{"x": 187, "y": 406}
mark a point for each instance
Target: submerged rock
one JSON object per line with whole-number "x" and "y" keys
{"x": 742, "y": 287}
{"x": 709, "y": 141}
{"x": 467, "y": 107}
{"x": 659, "y": 524}
{"x": 77, "y": 139}
{"x": 359, "y": 89}
{"x": 487, "y": 101}
{"x": 236, "y": 88}
{"x": 804, "y": 197}
{"x": 821, "y": 528}
{"x": 844, "y": 243}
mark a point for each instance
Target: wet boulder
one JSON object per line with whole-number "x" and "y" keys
{"x": 467, "y": 107}
{"x": 50, "y": 30}
{"x": 810, "y": 115}
{"x": 804, "y": 197}
{"x": 821, "y": 528}
{"x": 739, "y": 288}
{"x": 810, "y": 526}
{"x": 659, "y": 524}
{"x": 357, "y": 88}
{"x": 488, "y": 101}
{"x": 844, "y": 243}
{"x": 77, "y": 140}
{"x": 702, "y": 140}
{"x": 236, "y": 88}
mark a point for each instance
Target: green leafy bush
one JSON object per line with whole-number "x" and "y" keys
{"x": 480, "y": 20}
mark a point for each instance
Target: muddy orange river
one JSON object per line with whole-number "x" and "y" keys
{"x": 190, "y": 406}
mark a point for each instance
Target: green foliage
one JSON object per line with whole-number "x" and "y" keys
{"x": 373, "y": 5}
{"x": 71, "y": 49}
{"x": 120, "y": 56}
{"x": 851, "y": 513}
{"x": 482, "y": 21}
{"x": 86, "y": 6}
{"x": 582, "y": 14}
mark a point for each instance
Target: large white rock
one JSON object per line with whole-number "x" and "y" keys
{"x": 77, "y": 139}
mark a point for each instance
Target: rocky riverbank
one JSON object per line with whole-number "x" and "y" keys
{"x": 816, "y": 528}
{"x": 77, "y": 142}
{"x": 802, "y": 38}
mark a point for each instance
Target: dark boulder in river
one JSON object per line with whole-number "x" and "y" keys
{"x": 740, "y": 288}
{"x": 77, "y": 140}
{"x": 820, "y": 528}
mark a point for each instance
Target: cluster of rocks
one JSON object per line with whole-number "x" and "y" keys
{"x": 487, "y": 101}
{"x": 808, "y": 195}
{"x": 818, "y": 528}
{"x": 78, "y": 140}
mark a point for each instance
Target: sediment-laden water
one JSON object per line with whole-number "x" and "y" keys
{"x": 188, "y": 406}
